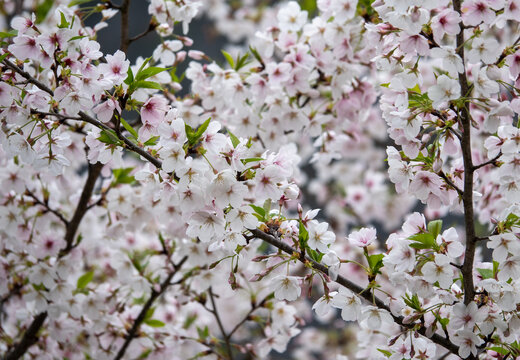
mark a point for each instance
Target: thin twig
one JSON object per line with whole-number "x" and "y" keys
{"x": 489, "y": 162}
{"x": 450, "y": 183}
{"x": 467, "y": 196}
{"x": 436, "y": 338}
{"x": 47, "y": 207}
{"x": 28, "y": 76}
{"x": 219, "y": 323}
{"x": 140, "y": 318}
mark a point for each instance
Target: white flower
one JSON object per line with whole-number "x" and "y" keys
{"x": 363, "y": 237}
{"x": 286, "y": 287}
{"x": 439, "y": 270}
{"x": 467, "y": 342}
{"x": 319, "y": 237}
{"x": 466, "y": 316}
{"x": 291, "y": 18}
{"x": 445, "y": 90}
{"x": 348, "y": 302}
{"x": 450, "y": 240}
{"x": 374, "y": 318}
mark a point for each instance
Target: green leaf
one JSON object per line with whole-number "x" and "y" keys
{"x": 4, "y": 34}
{"x": 149, "y": 72}
{"x": 109, "y": 137}
{"x": 314, "y": 255}
{"x": 259, "y": 210}
{"x": 203, "y": 333}
{"x": 146, "y": 61}
{"x": 42, "y": 10}
{"x": 420, "y": 246}
{"x": 190, "y": 319}
{"x": 143, "y": 84}
{"x": 412, "y": 301}
{"x": 253, "y": 159}
{"x": 375, "y": 262}
{"x": 495, "y": 268}
{"x": 308, "y": 5}
{"x": 149, "y": 313}
{"x": 64, "y": 24}
{"x": 229, "y": 58}
{"x": 151, "y": 141}
{"x": 202, "y": 128}
{"x": 130, "y": 129}
{"x": 194, "y": 136}
{"x": 2, "y": 57}
{"x": 122, "y": 176}
{"x": 130, "y": 76}
{"x": 385, "y": 352}
{"x": 78, "y": 2}
{"x": 486, "y": 273}
{"x": 435, "y": 227}
{"x": 76, "y": 38}
{"x": 426, "y": 239}
{"x": 234, "y": 140}
{"x": 154, "y": 323}
{"x": 242, "y": 61}
{"x": 84, "y": 280}
{"x": 267, "y": 206}
{"x": 303, "y": 235}
{"x": 256, "y": 54}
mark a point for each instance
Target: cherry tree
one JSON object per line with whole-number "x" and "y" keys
{"x": 225, "y": 211}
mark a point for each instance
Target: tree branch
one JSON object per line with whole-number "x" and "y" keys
{"x": 467, "y": 197}
{"x": 436, "y": 338}
{"x": 489, "y": 162}
{"x": 220, "y": 326}
{"x": 141, "y": 317}
{"x": 28, "y": 76}
{"x": 46, "y": 207}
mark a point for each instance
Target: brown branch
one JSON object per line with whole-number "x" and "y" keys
{"x": 254, "y": 306}
{"x": 94, "y": 170}
{"x": 467, "y": 197}
{"x": 141, "y": 317}
{"x": 151, "y": 27}
{"x": 450, "y": 183}
{"x": 125, "y": 39}
{"x": 130, "y": 145}
{"x": 46, "y": 207}
{"x": 436, "y": 338}
{"x": 29, "y": 338}
{"x": 489, "y": 162}
{"x": 28, "y": 76}
{"x": 226, "y": 337}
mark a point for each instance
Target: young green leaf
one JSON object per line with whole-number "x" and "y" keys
{"x": 84, "y": 280}
{"x": 130, "y": 129}
{"x": 229, "y": 58}
{"x": 154, "y": 323}
{"x": 435, "y": 227}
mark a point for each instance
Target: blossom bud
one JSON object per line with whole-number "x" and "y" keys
{"x": 291, "y": 191}
{"x": 494, "y": 72}
{"x": 196, "y": 54}
{"x": 437, "y": 165}
{"x": 180, "y": 56}
{"x": 186, "y": 40}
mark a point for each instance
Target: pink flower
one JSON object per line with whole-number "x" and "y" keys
{"x": 153, "y": 111}
{"x": 477, "y": 11}
{"x": 446, "y": 22}
{"x": 513, "y": 61}
{"x": 115, "y": 68}
{"x": 363, "y": 237}
{"x": 105, "y": 110}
